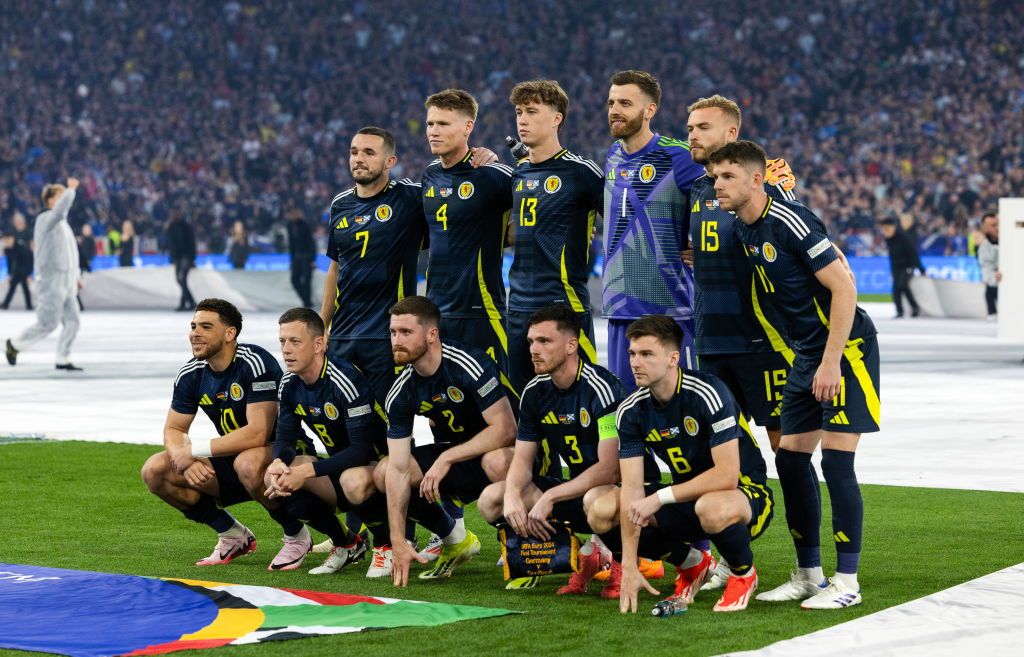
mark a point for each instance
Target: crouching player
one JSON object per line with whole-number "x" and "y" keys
{"x": 561, "y": 405}
{"x": 690, "y": 421}
{"x": 236, "y": 387}
{"x": 333, "y": 399}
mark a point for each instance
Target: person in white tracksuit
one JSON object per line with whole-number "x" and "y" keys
{"x": 57, "y": 274}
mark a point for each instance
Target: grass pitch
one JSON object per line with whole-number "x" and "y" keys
{"x": 83, "y": 506}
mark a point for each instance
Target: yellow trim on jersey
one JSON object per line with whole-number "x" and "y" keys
{"x": 679, "y": 380}
{"x": 589, "y": 350}
{"x": 560, "y": 153}
{"x": 855, "y": 357}
{"x": 821, "y": 314}
{"x": 745, "y": 426}
{"x": 574, "y": 300}
{"x": 492, "y": 310}
{"x": 778, "y": 342}
{"x": 323, "y": 370}
{"x": 758, "y": 526}
{"x": 508, "y": 385}
{"x": 766, "y": 207}
{"x": 545, "y": 461}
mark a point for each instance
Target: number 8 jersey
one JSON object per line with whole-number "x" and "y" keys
{"x": 252, "y": 377}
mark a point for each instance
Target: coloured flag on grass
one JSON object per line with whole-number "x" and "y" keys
{"x": 86, "y": 614}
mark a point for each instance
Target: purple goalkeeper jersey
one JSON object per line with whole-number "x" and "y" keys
{"x": 646, "y": 223}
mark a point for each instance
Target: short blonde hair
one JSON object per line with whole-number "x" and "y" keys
{"x": 731, "y": 109}
{"x": 55, "y": 189}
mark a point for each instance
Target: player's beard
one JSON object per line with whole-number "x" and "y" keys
{"x": 630, "y": 128}
{"x": 700, "y": 154}
{"x": 366, "y": 176}
{"x": 208, "y": 350}
{"x": 404, "y": 356}
{"x": 546, "y": 366}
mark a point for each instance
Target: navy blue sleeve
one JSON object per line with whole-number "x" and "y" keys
{"x": 263, "y": 387}
{"x": 529, "y": 418}
{"x": 805, "y": 236}
{"x": 721, "y": 415}
{"x": 359, "y": 424}
{"x": 401, "y": 408}
{"x": 289, "y": 428}
{"x": 184, "y": 398}
{"x": 631, "y": 433}
{"x": 487, "y": 389}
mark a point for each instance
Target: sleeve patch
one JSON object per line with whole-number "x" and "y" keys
{"x": 722, "y": 425}
{"x": 819, "y": 248}
{"x": 257, "y": 386}
{"x": 487, "y": 387}
{"x": 356, "y": 411}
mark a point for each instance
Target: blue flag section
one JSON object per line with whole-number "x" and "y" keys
{"x": 83, "y": 614}
{"x": 72, "y": 612}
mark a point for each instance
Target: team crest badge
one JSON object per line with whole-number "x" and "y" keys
{"x": 383, "y": 212}
{"x": 532, "y": 184}
{"x": 331, "y": 411}
{"x": 236, "y": 391}
{"x": 455, "y": 394}
{"x": 466, "y": 190}
{"x": 769, "y": 252}
{"x": 552, "y": 184}
{"x": 584, "y": 418}
{"x": 647, "y": 173}
{"x": 690, "y": 425}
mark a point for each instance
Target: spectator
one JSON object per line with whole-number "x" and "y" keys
{"x": 988, "y": 260}
{"x": 86, "y": 248}
{"x": 18, "y": 249}
{"x": 302, "y": 252}
{"x": 238, "y": 245}
{"x": 126, "y": 250}
{"x": 903, "y": 261}
{"x": 181, "y": 247}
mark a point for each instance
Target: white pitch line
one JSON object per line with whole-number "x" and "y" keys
{"x": 980, "y": 617}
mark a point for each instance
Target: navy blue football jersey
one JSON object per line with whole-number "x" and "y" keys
{"x": 567, "y": 419}
{"x": 554, "y": 207}
{"x": 702, "y": 414}
{"x": 787, "y": 245}
{"x": 467, "y": 211}
{"x": 465, "y": 385}
{"x": 376, "y": 242}
{"x": 252, "y": 377}
{"x": 340, "y": 409}
{"x": 730, "y": 317}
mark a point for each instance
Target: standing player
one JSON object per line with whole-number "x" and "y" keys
{"x": 236, "y": 386}
{"x": 458, "y": 390}
{"x": 738, "y": 338}
{"x": 646, "y": 220}
{"x": 377, "y": 232}
{"x": 57, "y": 273}
{"x": 690, "y": 421}
{"x": 556, "y": 196}
{"x": 831, "y": 395}
{"x": 333, "y": 399}
{"x": 466, "y": 209}
{"x": 561, "y": 407}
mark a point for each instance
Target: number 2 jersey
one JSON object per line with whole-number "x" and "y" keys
{"x": 252, "y": 377}
{"x": 702, "y": 414}
{"x": 340, "y": 409}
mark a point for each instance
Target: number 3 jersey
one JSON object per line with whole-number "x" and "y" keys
{"x": 252, "y": 377}
{"x": 340, "y": 409}
{"x": 701, "y": 415}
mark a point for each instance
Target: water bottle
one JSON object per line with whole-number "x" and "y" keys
{"x": 669, "y": 608}
{"x": 518, "y": 148}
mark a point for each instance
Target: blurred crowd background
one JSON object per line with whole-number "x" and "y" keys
{"x": 236, "y": 116}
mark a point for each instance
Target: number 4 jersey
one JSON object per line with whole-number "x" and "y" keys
{"x": 252, "y": 377}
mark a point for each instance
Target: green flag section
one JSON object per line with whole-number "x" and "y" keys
{"x": 86, "y": 614}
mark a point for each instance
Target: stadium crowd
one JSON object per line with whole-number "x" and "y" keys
{"x": 243, "y": 110}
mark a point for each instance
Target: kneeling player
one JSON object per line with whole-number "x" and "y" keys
{"x": 561, "y": 405}
{"x": 690, "y": 421}
{"x": 459, "y": 391}
{"x": 336, "y": 402}
{"x": 236, "y": 386}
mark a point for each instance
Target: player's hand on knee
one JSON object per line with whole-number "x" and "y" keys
{"x": 198, "y": 474}
{"x": 641, "y": 511}
{"x": 430, "y": 486}
{"x": 537, "y": 521}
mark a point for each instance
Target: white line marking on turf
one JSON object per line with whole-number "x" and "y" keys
{"x": 979, "y": 617}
